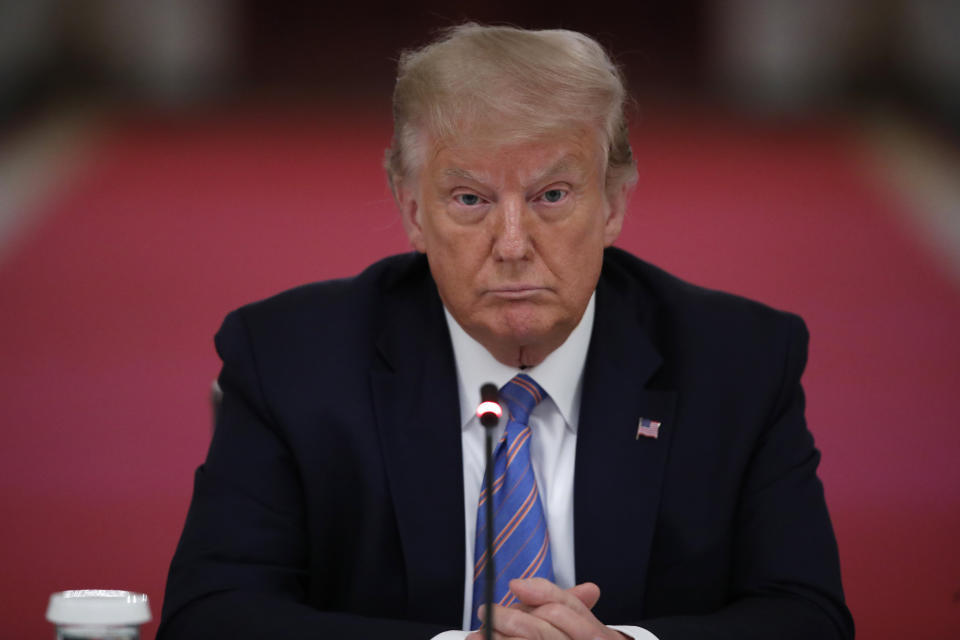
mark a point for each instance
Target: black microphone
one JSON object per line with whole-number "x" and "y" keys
{"x": 489, "y": 412}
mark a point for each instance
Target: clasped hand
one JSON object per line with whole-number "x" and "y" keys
{"x": 547, "y": 612}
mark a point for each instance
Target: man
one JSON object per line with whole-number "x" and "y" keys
{"x": 667, "y": 477}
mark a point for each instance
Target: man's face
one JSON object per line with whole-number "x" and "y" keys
{"x": 514, "y": 234}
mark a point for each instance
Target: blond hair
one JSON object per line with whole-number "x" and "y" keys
{"x": 527, "y": 82}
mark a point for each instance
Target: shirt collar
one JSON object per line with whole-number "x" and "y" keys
{"x": 560, "y": 374}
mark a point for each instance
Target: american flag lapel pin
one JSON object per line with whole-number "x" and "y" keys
{"x": 648, "y": 428}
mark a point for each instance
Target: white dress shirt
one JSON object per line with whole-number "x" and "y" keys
{"x": 553, "y": 443}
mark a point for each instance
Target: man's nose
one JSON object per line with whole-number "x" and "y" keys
{"x": 512, "y": 240}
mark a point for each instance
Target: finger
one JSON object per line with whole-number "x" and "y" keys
{"x": 482, "y": 614}
{"x": 587, "y": 592}
{"x": 535, "y": 592}
{"x": 514, "y": 623}
{"x": 517, "y": 604}
{"x": 481, "y": 610}
{"x": 578, "y": 625}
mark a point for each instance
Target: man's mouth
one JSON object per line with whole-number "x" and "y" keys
{"x": 516, "y": 292}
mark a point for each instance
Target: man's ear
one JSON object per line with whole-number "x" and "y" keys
{"x": 408, "y": 203}
{"x": 617, "y": 207}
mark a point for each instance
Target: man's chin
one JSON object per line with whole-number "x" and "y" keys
{"x": 526, "y": 334}
{"x": 523, "y": 326}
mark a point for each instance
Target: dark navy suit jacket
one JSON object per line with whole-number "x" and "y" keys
{"x": 331, "y": 501}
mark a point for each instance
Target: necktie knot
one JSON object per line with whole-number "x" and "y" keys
{"x": 521, "y": 395}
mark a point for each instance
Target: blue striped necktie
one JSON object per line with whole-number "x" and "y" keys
{"x": 521, "y": 547}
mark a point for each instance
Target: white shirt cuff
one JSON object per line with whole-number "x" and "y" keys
{"x": 451, "y": 635}
{"x": 634, "y": 632}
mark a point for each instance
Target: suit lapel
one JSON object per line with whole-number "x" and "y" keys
{"x": 418, "y": 418}
{"x": 617, "y": 481}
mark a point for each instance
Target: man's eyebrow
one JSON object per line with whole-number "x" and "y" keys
{"x": 463, "y": 174}
{"x": 565, "y": 164}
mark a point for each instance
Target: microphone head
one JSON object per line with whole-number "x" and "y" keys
{"x": 489, "y": 410}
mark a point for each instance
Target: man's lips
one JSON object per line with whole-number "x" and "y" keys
{"x": 516, "y": 292}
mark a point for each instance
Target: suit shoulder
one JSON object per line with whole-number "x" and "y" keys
{"x": 341, "y": 296}
{"x": 719, "y": 335}
{"x": 330, "y": 310}
{"x": 679, "y": 301}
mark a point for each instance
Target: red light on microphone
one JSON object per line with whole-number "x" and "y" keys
{"x": 487, "y": 408}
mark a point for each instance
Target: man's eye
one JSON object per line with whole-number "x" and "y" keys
{"x": 554, "y": 195}
{"x": 468, "y": 199}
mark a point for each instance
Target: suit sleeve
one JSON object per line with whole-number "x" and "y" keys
{"x": 786, "y": 576}
{"x": 240, "y": 569}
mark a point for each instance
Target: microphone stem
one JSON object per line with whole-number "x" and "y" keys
{"x": 491, "y": 571}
